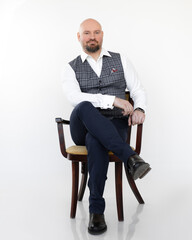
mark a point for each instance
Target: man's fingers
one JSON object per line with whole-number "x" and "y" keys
{"x": 127, "y": 111}
{"x": 124, "y": 105}
{"x": 133, "y": 120}
{"x": 138, "y": 118}
{"x": 129, "y": 120}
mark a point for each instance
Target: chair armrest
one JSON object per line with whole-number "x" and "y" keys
{"x": 60, "y": 120}
{"x": 60, "y": 123}
{"x": 139, "y": 129}
{"x": 139, "y": 138}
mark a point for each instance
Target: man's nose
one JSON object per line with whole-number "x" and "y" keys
{"x": 92, "y": 36}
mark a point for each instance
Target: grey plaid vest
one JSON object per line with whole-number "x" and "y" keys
{"x": 110, "y": 82}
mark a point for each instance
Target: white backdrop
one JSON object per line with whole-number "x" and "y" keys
{"x": 39, "y": 36}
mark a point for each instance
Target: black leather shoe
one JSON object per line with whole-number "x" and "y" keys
{"x": 137, "y": 167}
{"x": 97, "y": 224}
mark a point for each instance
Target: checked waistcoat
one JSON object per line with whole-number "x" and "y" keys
{"x": 110, "y": 82}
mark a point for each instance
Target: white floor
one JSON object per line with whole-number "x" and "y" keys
{"x": 38, "y": 208}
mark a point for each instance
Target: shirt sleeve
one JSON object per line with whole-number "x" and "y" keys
{"x": 74, "y": 94}
{"x": 137, "y": 92}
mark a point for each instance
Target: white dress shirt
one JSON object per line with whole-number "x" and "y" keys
{"x": 73, "y": 92}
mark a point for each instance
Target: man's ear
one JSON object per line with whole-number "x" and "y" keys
{"x": 78, "y": 36}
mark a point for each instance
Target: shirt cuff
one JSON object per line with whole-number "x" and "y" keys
{"x": 107, "y": 102}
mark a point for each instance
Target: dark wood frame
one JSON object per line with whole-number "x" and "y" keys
{"x": 78, "y": 196}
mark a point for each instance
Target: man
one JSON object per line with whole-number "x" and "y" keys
{"x": 95, "y": 84}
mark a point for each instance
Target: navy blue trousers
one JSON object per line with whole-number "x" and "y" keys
{"x": 100, "y": 135}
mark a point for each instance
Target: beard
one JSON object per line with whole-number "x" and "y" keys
{"x": 92, "y": 49}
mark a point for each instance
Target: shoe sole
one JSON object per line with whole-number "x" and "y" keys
{"x": 145, "y": 173}
{"x": 97, "y": 232}
{"x": 141, "y": 171}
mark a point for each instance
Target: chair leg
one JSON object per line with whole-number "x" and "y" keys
{"x": 83, "y": 181}
{"x": 118, "y": 185}
{"x": 75, "y": 183}
{"x": 134, "y": 187}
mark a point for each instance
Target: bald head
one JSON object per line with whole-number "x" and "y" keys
{"x": 89, "y": 24}
{"x": 90, "y": 36}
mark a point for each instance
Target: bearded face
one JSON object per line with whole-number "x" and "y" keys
{"x": 92, "y": 46}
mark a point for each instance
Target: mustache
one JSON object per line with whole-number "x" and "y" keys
{"x": 91, "y": 41}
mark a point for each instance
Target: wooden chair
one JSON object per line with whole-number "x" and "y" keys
{"x": 78, "y": 154}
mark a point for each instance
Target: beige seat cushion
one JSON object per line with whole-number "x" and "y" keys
{"x": 80, "y": 150}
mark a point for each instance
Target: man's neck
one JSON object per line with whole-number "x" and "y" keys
{"x": 94, "y": 55}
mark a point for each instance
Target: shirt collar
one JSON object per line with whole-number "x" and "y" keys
{"x": 104, "y": 52}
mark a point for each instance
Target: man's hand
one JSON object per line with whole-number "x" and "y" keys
{"x": 137, "y": 117}
{"x": 125, "y": 105}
